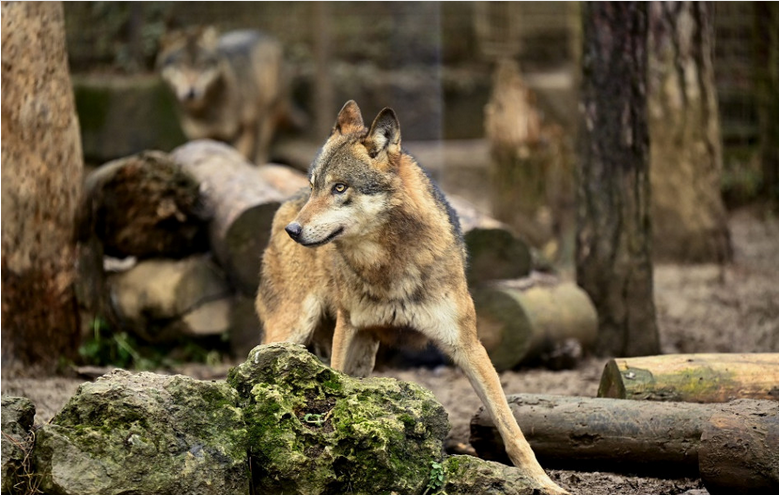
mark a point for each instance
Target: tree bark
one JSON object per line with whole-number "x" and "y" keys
{"x": 700, "y": 378}
{"x": 525, "y": 319}
{"x": 768, "y": 94}
{"x": 739, "y": 451}
{"x": 618, "y": 435}
{"x": 528, "y": 159}
{"x": 41, "y": 184}
{"x": 613, "y": 262}
{"x": 689, "y": 219}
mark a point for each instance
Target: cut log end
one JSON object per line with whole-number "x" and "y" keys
{"x": 145, "y": 206}
{"x": 517, "y": 323}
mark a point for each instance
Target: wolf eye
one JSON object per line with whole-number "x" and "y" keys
{"x": 339, "y": 188}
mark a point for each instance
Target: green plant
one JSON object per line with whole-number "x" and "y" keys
{"x": 437, "y": 476}
{"x": 106, "y": 347}
{"x": 109, "y": 347}
{"x": 314, "y": 418}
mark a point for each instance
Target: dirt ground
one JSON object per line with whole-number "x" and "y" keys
{"x": 703, "y": 308}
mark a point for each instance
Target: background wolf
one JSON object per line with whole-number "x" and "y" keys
{"x": 376, "y": 248}
{"x": 230, "y": 88}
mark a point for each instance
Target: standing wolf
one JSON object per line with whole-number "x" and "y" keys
{"x": 376, "y": 249}
{"x": 229, "y": 88}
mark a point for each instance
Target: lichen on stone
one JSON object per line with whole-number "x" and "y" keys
{"x": 146, "y": 433}
{"x": 314, "y": 430}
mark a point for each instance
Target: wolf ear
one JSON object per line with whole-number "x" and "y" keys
{"x": 208, "y": 37}
{"x": 384, "y": 135}
{"x": 349, "y": 120}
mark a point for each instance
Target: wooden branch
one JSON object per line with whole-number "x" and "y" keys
{"x": 525, "y": 318}
{"x": 700, "y": 378}
{"x": 609, "y": 434}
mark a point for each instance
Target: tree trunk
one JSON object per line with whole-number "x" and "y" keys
{"x": 241, "y": 205}
{"x": 701, "y": 378}
{"x": 41, "y": 183}
{"x": 768, "y": 94}
{"x": 528, "y": 159}
{"x": 614, "y": 435}
{"x": 613, "y": 199}
{"x": 689, "y": 219}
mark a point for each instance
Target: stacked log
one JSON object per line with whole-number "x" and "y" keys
{"x": 144, "y": 206}
{"x": 711, "y": 415}
{"x": 206, "y": 196}
{"x": 241, "y": 205}
{"x": 160, "y": 299}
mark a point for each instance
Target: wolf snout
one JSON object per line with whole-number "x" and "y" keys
{"x": 294, "y": 230}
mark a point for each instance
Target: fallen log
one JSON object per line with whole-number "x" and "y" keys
{"x": 242, "y": 205}
{"x": 699, "y": 378}
{"x": 658, "y": 438}
{"x": 527, "y": 318}
{"x": 161, "y": 300}
{"x": 739, "y": 450}
{"x": 143, "y": 206}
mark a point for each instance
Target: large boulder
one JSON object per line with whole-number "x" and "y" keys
{"x": 313, "y": 430}
{"x": 17, "y": 421}
{"x": 145, "y": 433}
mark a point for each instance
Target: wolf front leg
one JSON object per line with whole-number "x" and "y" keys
{"x": 472, "y": 358}
{"x": 293, "y": 322}
{"x": 353, "y": 352}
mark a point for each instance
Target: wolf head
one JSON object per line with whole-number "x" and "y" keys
{"x": 190, "y": 64}
{"x": 353, "y": 179}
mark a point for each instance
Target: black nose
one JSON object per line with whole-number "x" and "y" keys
{"x": 191, "y": 94}
{"x": 294, "y": 230}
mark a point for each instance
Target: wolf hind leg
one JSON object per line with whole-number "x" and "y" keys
{"x": 472, "y": 358}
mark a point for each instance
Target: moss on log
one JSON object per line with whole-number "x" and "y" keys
{"x": 699, "y": 378}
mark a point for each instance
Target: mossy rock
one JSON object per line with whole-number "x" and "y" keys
{"x": 145, "y": 433}
{"x": 313, "y": 430}
{"x": 464, "y": 474}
